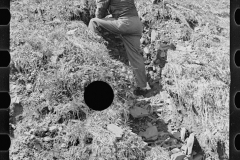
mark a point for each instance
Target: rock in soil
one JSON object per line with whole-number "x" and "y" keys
{"x": 198, "y": 157}
{"x": 176, "y": 134}
{"x": 183, "y": 134}
{"x": 116, "y": 130}
{"x": 190, "y": 143}
{"x": 175, "y": 150}
{"x": 151, "y": 133}
{"x": 178, "y": 156}
{"x": 137, "y": 112}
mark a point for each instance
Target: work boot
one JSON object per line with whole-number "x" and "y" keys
{"x": 141, "y": 92}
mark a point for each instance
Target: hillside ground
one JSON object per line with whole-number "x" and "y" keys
{"x": 54, "y": 56}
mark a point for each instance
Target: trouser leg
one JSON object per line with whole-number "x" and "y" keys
{"x": 132, "y": 45}
{"x": 110, "y": 24}
{"x": 131, "y": 34}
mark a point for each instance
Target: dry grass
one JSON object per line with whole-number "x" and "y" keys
{"x": 57, "y": 66}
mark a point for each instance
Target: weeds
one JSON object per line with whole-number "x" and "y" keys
{"x": 51, "y": 67}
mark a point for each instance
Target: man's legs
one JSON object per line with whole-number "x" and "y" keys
{"x": 132, "y": 45}
{"x": 131, "y": 42}
{"x": 109, "y": 24}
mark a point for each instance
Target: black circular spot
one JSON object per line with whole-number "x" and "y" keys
{"x": 236, "y": 100}
{"x": 98, "y": 95}
{"x": 236, "y": 142}
{"x": 237, "y": 58}
{"x": 236, "y": 15}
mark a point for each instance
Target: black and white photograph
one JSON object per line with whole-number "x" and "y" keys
{"x": 119, "y": 79}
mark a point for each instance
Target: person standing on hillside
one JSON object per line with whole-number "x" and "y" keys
{"x": 126, "y": 23}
